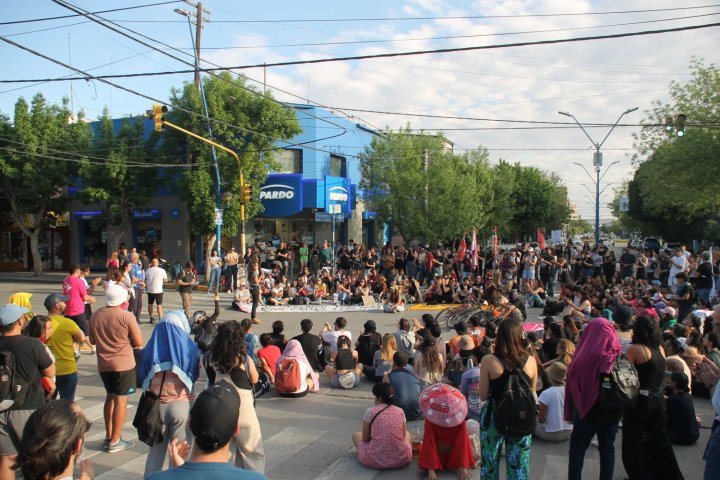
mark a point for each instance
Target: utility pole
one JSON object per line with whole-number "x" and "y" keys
{"x": 198, "y": 31}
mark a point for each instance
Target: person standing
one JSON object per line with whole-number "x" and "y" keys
{"x": 65, "y": 334}
{"x": 32, "y": 363}
{"x": 155, "y": 278}
{"x": 137, "y": 276}
{"x": 645, "y": 444}
{"x": 186, "y": 282}
{"x": 678, "y": 263}
{"x": 215, "y": 264}
{"x": 115, "y": 333}
{"x": 254, "y": 281}
{"x": 231, "y": 269}
{"x": 74, "y": 288}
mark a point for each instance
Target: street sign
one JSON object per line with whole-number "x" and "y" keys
{"x": 324, "y": 217}
{"x": 218, "y": 216}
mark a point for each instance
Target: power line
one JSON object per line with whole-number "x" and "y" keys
{"x": 387, "y": 55}
{"x": 135, "y": 7}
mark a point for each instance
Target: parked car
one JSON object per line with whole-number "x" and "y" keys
{"x": 651, "y": 243}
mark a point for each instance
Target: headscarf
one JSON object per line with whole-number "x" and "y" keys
{"x": 170, "y": 349}
{"x": 22, "y": 299}
{"x": 293, "y": 349}
{"x": 596, "y": 352}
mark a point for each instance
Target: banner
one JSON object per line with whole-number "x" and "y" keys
{"x": 495, "y": 240}
{"x": 474, "y": 250}
{"x": 462, "y": 249}
{"x": 541, "y": 238}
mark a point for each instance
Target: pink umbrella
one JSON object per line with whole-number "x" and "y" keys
{"x": 443, "y": 405}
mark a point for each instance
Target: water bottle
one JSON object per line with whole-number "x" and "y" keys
{"x": 416, "y": 442}
{"x": 470, "y": 363}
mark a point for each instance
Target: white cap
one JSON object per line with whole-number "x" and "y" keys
{"x": 116, "y": 295}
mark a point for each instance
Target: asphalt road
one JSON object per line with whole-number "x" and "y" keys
{"x": 307, "y": 438}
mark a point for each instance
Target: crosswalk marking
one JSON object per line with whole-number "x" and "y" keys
{"x": 135, "y": 468}
{"x": 347, "y": 466}
{"x": 287, "y": 443}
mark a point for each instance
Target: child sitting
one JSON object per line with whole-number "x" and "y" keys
{"x": 682, "y": 426}
{"x": 551, "y": 427}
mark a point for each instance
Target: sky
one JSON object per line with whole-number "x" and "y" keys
{"x": 596, "y": 81}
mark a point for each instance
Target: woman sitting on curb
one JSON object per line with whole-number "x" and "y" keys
{"x": 346, "y": 371}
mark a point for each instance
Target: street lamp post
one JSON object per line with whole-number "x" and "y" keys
{"x": 597, "y": 163}
{"x": 218, "y": 205}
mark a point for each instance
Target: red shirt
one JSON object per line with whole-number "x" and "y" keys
{"x": 271, "y": 354}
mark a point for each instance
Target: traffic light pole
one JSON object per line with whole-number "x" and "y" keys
{"x": 242, "y": 181}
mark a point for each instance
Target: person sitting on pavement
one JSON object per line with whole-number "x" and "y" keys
{"x": 268, "y": 356}
{"x": 383, "y": 442}
{"x": 682, "y": 425}
{"x": 278, "y": 338}
{"x": 405, "y": 385}
{"x": 53, "y": 441}
{"x": 551, "y": 427}
{"x": 346, "y": 370}
{"x": 169, "y": 369}
{"x": 65, "y": 334}
{"x": 214, "y": 422}
{"x": 309, "y": 380}
{"x": 470, "y": 384}
{"x": 428, "y": 364}
{"x": 310, "y": 343}
{"x": 32, "y": 362}
{"x": 330, "y": 337}
{"x": 405, "y": 337}
{"x": 368, "y": 343}
{"x": 382, "y": 360}
{"x": 252, "y": 342}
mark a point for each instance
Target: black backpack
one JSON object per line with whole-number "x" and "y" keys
{"x": 619, "y": 388}
{"x": 11, "y": 390}
{"x": 516, "y": 405}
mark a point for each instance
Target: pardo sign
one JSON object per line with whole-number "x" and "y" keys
{"x": 277, "y": 192}
{"x": 338, "y": 194}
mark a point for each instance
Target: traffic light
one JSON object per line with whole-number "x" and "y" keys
{"x": 245, "y": 193}
{"x": 680, "y": 124}
{"x": 158, "y": 114}
{"x": 669, "y": 122}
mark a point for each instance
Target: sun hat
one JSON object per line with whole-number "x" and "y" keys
{"x": 115, "y": 295}
{"x": 557, "y": 373}
{"x": 443, "y": 405}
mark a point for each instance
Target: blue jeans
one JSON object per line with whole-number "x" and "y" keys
{"x": 66, "y": 385}
{"x": 703, "y": 294}
{"x": 712, "y": 454}
{"x": 214, "y": 279}
{"x": 582, "y": 434}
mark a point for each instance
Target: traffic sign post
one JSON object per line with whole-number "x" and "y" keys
{"x": 218, "y": 216}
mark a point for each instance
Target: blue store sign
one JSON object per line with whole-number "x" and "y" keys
{"x": 282, "y": 195}
{"x": 337, "y": 195}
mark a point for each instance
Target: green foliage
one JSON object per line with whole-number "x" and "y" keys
{"x": 251, "y": 124}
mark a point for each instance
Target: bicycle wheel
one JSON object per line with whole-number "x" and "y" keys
{"x": 446, "y": 316}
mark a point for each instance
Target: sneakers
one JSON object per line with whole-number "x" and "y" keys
{"x": 93, "y": 350}
{"x": 119, "y": 446}
{"x": 77, "y": 355}
{"x": 152, "y": 320}
{"x": 106, "y": 444}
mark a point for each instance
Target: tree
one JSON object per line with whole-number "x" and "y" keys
{"x": 244, "y": 120}
{"x": 673, "y": 190}
{"x": 39, "y": 152}
{"x": 457, "y": 189}
{"x": 120, "y": 176}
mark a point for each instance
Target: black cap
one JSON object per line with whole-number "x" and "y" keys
{"x": 214, "y": 416}
{"x": 622, "y": 315}
{"x": 681, "y": 380}
{"x": 53, "y": 299}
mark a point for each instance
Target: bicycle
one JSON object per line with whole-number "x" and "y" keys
{"x": 464, "y": 312}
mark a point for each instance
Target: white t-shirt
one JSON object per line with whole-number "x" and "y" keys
{"x": 154, "y": 278}
{"x": 554, "y": 398}
{"x": 331, "y": 338}
{"x": 681, "y": 261}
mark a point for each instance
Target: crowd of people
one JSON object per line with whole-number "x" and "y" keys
{"x": 656, "y": 311}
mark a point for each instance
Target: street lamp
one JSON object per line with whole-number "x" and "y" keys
{"x": 597, "y": 163}
{"x": 218, "y": 205}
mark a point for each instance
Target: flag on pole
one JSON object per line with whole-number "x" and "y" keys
{"x": 541, "y": 238}
{"x": 474, "y": 250}
{"x": 462, "y": 249}
{"x": 495, "y": 240}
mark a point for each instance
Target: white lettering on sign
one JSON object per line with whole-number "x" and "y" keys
{"x": 338, "y": 194}
{"x": 278, "y": 192}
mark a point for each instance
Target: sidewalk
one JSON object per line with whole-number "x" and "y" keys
{"x": 47, "y": 277}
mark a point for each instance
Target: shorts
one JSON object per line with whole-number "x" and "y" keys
{"x": 12, "y": 423}
{"x": 119, "y": 383}
{"x": 528, "y": 274}
{"x": 346, "y": 380}
{"x": 155, "y": 297}
{"x": 81, "y": 321}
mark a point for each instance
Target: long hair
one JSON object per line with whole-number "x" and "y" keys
{"x": 389, "y": 347}
{"x": 568, "y": 351}
{"x": 228, "y": 347}
{"x": 509, "y": 343}
{"x": 431, "y": 358}
{"x": 646, "y": 332}
{"x": 50, "y": 438}
{"x": 36, "y": 327}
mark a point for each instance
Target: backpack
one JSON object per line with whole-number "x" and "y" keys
{"x": 619, "y": 388}
{"x": 287, "y": 376}
{"x": 11, "y": 390}
{"x": 515, "y": 412}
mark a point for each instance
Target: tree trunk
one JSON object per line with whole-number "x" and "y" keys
{"x": 35, "y": 251}
{"x": 115, "y": 234}
{"x": 210, "y": 243}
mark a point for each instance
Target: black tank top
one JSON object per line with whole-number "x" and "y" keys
{"x": 344, "y": 360}
{"x": 651, "y": 372}
{"x": 497, "y": 386}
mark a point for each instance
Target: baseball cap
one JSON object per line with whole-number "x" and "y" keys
{"x": 116, "y": 295}
{"x": 214, "y": 416}
{"x": 656, "y": 297}
{"x": 669, "y": 310}
{"x": 53, "y": 299}
{"x": 11, "y": 313}
{"x": 681, "y": 380}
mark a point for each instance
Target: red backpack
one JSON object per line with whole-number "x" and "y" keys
{"x": 287, "y": 376}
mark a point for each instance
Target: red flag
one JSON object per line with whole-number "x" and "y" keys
{"x": 462, "y": 249}
{"x": 495, "y": 240}
{"x": 541, "y": 239}
{"x": 474, "y": 249}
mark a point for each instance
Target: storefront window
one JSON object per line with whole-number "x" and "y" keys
{"x": 12, "y": 247}
{"x": 95, "y": 245}
{"x": 148, "y": 235}
{"x": 337, "y": 166}
{"x": 289, "y": 160}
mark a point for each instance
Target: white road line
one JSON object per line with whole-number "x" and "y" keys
{"x": 287, "y": 443}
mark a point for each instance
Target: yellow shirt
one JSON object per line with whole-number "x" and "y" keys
{"x": 61, "y": 344}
